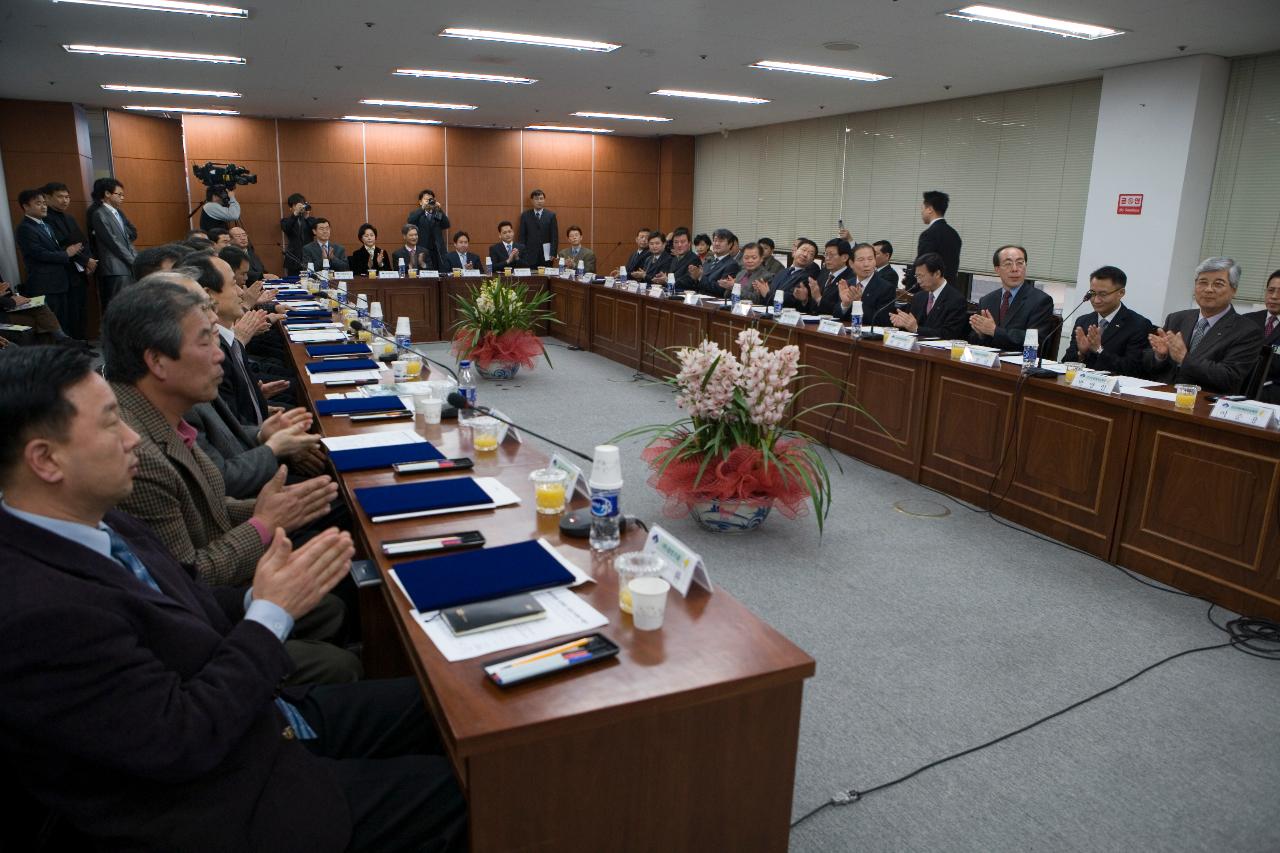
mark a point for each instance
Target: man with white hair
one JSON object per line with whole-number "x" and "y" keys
{"x": 1211, "y": 346}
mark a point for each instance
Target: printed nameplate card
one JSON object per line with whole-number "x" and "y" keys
{"x": 1243, "y": 412}
{"x": 690, "y": 297}
{"x": 830, "y": 326}
{"x": 472, "y": 273}
{"x": 683, "y": 567}
{"x": 742, "y": 309}
{"x": 577, "y": 482}
{"x": 900, "y": 340}
{"x": 523, "y": 272}
{"x": 388, "y": 274}
{"x": 345, "y": 275}
{"x": 789, "y": 317}
{"x": 1099, "y": 383}
{"x": 980, "y": 357}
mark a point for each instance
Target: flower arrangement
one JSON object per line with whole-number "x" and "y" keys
{"x": 496, "y": 323}
{"x": 736, "y": 447}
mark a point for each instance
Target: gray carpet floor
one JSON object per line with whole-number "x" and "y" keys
{"x": 935, "y": 635}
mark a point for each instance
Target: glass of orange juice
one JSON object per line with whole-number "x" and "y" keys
{"x": 484, "y": 434}
{"x": 413, "y": 365}
{"x": 632, "y": 565}
{"x": 1185, "y": 396}
{"x": 1073, "y": 367}
{"x": 549, "y": 489}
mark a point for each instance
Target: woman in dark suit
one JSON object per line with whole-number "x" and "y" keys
{"x": 369, "y": 257}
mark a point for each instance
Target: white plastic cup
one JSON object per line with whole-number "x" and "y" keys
{"x": 375, "y": 310}
{"x": 648, "y": 602}
{"x": 400, "y": 370}
{"x": 402, "y": 327}
{"x": 606, "y": 467}
{"x": 1032, "y": 338}
{"x": 429, "y": 407}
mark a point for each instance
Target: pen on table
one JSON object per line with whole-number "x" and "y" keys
{"x": 548, "y": 653}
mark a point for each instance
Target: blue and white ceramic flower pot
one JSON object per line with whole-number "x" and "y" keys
{"x": 499, "y": 370}
{"x": 729, "y": 517}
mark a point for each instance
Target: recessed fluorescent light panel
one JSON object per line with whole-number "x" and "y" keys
{"x": 709, "y": 96}
{"x": 196, "y": 110}
{"x": 208, "y": 9}
{"x": 160, "y": 90}
{"x": 462, "y": 75}
{"x": 144, "y": 53}
{"x": 1023, "y": 21}
{"x": 421, "y": 105}
{"x": 386, "y": 120}
{"x": 819, "y": 70}
{"x": 568, "y": 128}
{"x": 621, "y": 116}
{"x": 525, "y": 38}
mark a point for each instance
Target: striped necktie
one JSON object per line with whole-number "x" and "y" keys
{"x": 1197, "y": 334}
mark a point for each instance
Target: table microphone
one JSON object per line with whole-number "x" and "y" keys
{"x": 460, "y": 400}
{"x": 1039, "y": 372}
{"x": 357, "y": 326}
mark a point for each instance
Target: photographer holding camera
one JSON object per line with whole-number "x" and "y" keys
{"x": 299, "y": 229}
{"x": 220, "y": 208}
{"x": 432, "y": 224}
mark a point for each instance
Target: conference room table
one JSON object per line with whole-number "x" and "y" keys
{"x": 686, "y": 740}
{"x": 1176, "y": 495}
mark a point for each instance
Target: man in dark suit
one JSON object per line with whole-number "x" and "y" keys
{"x": 677, "y": 276}
{"x": 884, "y": 255}
{"x": 719, "y": 270}
{"x": 938, "y": 310}
{"x": 876, "y": 293}
{"x": 656, "y": 263}
{"x": 194, "y": 746}
{"x": 299, "y": 229}
{"x": 246, "y": 458}
{"x": 433, "y": 224}
{"x": 1211, "y": 346}
{"x": 323, "y": 253}
{"x": 1114, "y": 337}
{"x": 49, "y": 265}
{"x": 822, "y": 295}
{"x": 1004, "y": 315}
{"x": 461, "y": 258}
{"x": 67, "y": 230}
{"x": 1268, "y": 384}
{"x": 791, "y": 278}
{"x": 539, "y": 231}
{"x": 257, "y": 270}
{"x": 642, "y": 251}
{"x": 111, "y": 237}
{"x": 938, "y": 237}
{"x": 412, "y": 253}
{"x": 507, "y": 252}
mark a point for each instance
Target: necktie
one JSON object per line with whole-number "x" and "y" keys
{"x": 237, "y": 357}
{"x": 324, "y": 249}
{"x": 1004, "y": 306}
{"x": 1271, "y": 325}
{"x": 1103, "y": 322}
{"x": 45, "y": 226}
{"x": 121, "y": 553}
{"x": 537, "y": 214}
{"x": 928, "y": 309}
{"x": 1197, "y": 334}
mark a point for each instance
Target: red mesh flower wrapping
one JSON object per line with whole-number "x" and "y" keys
{"x": 742, "y": 476}
{"x": 515, "y": 345}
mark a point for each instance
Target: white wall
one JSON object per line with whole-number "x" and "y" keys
{"x": 1158, "y": 126}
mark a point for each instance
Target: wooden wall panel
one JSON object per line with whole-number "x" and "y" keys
{"x": 405, "y": 144}
{"x": 320, "y": 141}
{"x": 545, "y": 149}
{"x": 398, "y": 183}
{"x": 147, "y": 157}
{"x": 474, "y": 146}
{"x": 45, "y": 141}
{"x": 233, "y": 139}
{"x": 627, "y": 154}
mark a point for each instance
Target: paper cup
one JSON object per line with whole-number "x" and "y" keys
{"x": 428, "y": 407}
{"x": 648, "y": 602}
{"x": 400, "y": 370}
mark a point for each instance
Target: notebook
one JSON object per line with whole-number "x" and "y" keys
{"x": 309, "y": 314}
{"x": 406, "y": 500}
{"x": 359, "y": 405}
{"x": 364, "y": 458}
{"x": 487, "y": 615}
{"x": 342, "y": 364}
{"x": 327, "y": 350}
{"x": 453, "y": 580}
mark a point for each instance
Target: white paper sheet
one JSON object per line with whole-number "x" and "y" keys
{"x": 1127, "y": 383}
{"x": 1167, "y": 396}
{"x": 318, "y": 336}
{"x": 936, "y": 344}
{"x": 1047, "y": 364}
{"x": 567, "y": 614}
{"x": 384, "y": 438}
{"x": 344, "y": 376}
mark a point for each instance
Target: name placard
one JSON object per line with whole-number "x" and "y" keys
{"x": 388, "y": 274}
{"x": 691, "y": 297}
{"x": 742, "y": 309}
{"x": 472, "y": 274}
{"x": 608, "y": 281}
{"x": 577, "y": 481}
{"x": 900, "y": 340}
{"x": 523, "y": 272}
{"x": 506, "y": 430}
{"x": 789, "y": 317}
{"x": 345, "y": 275}
{"x": 830, "y": 326}
{"x": 1243, "y": 412}
{"x": 428, "y": 273}
{"x": 980, "y": 357}
{"x": 637, "y": 286}
{"x": 566, "y": 272}
{"x": 682, "y": 567}
{"x": 1099, "y": 383}
{"x": 655, "y": 290}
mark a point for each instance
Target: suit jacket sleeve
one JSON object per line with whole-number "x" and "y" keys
{"x": 949, "y": 320}
{"x": 243, "y": 473}
{"x": 1228, "y": 371}
{"x": 35, "y": 249}
{"x": 105, "y": 234}
{"x": 1126, "y": 358}
{"x": 555, "y": 235}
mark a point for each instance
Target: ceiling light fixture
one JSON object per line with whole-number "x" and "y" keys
{"x": 709, "y": 96}
{"x": 1023, "y": 21}
{"x": 819, "y": 70}
{"x": 525, "y": 38}
{"x": 422, "y": 105}
{"x": 462, "y": 75}
{"x": 620, "y": 116}
{"x": 209, "y": 9}
{"x": 144, "y": 53}
{"x": 392, "y": 120}
{"x": 161, "y": 90}
{"x": 568, "y": 128}
{"x": 198, "y": 110}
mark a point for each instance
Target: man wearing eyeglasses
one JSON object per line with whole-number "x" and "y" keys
{"x": 1113, "y": 337}
{"x": 1004, "y": 315}
{"x": 1211, "y": 345}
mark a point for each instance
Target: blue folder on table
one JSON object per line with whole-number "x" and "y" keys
{"x": 309, "y": 314}
{"x": 360, "y": 405}
{"x": 325, "y": 350}
{"x": 408, "y": 499}
{"x": 339, "y": 365}
{"x": 457, "y": 579}
{"x": 363, "y": 458}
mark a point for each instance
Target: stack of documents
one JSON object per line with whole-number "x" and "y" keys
{"x": 433, "y": 497}
{"x": 334, "y": 350}
{"x": 359, "y": 406}
{"x": 379, "y": 450}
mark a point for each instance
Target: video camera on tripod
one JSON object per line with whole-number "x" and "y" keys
{"x": 222, "y": 178}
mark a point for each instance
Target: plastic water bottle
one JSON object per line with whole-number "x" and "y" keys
{"x": 311, "y": 269}
{"x": 401, "y": 271}
{"x": 778, "y": 297}
{"x": 1031, "y": 350}
{"x": 606, "y": 491}
{"x": 582, "y": 269}
{"x": 467, "y": 388}
{"x": 325, "y": 272}
{"x": 736, "y": 294}
{"x": 342, "y": 293}
{"x": 855, "y": 310}
{"x": 404, "y": 338}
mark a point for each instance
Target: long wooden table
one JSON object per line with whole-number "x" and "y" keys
{"x": 687, "y": 740}
{"x": 1178, "y": 496}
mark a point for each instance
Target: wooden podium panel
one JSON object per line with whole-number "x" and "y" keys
{"x": 569, "y": 302}
{"x": 892, "y": 389}
{"x": 969, "y": 422}
{"x": 616, "y": 325}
